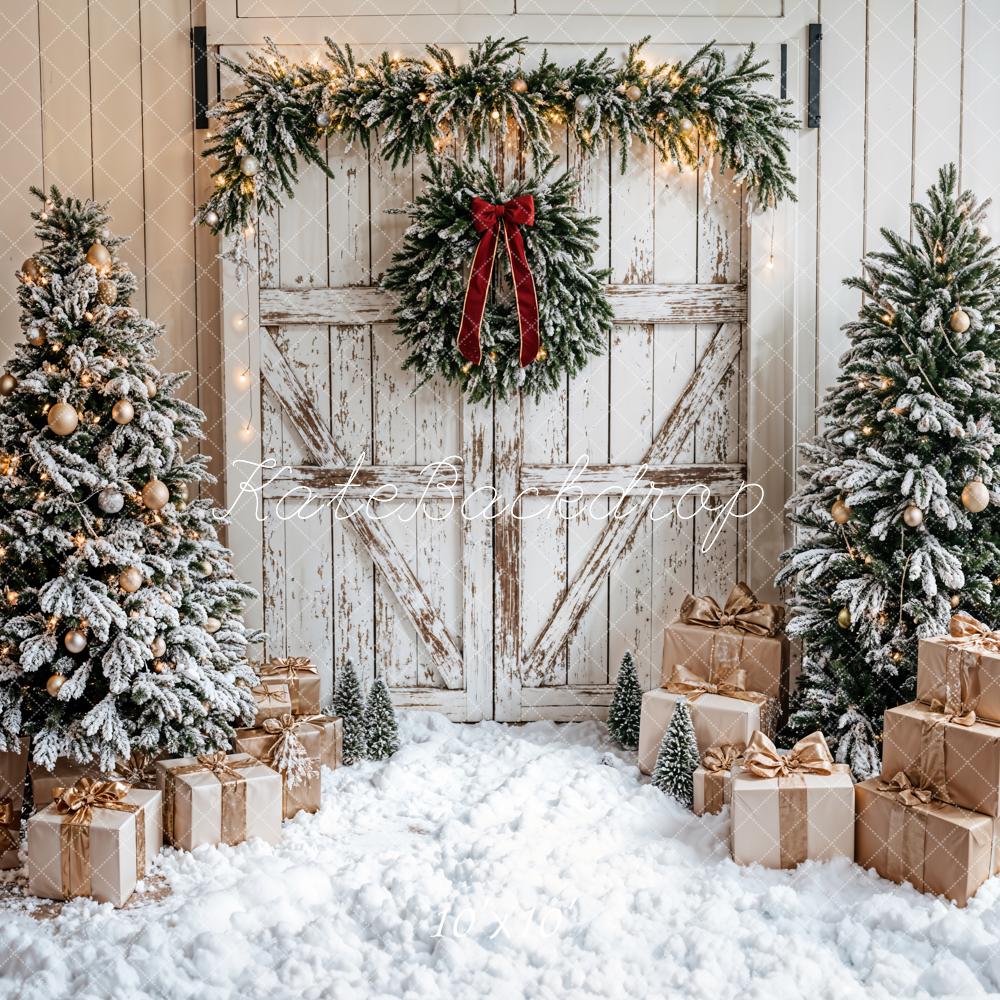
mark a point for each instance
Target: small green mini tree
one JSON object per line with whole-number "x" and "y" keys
{"x": 678, "y": 757}
{"x": 350, "y": 704}
{"x": 381, "y": 728}
{"x": 626, "y": 704}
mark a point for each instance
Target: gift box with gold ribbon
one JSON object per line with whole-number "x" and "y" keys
{"x": 331, "y": 728}
{"x": 953, "y": 754}
{"x": 722, "y": 710}
{"x": 302, "y": 677}
{"x": 292, "y": 747}
{"x": 219, "y": 798}
{"x": 907, "y": 835}
{"x": 961, "y": 670}
{"x": 96, "y": 839}
{"x": 792, "y": 806}
{"x": 713, "y": 776}
{"x": 13, "y": 773}
{"x": 64, "y": 774}
{"x": 138, "y": 769}
{"x": 273, "y": 701}
{"x": 708, "y": 639}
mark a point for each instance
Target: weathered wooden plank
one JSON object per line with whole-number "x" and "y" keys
{"x": 612, "y": 480}
{"x": 618, "y": 534}
{"x": 567, "y": 703}
{"x": 640, "y": 303}
{"x": 324, "y": 449}
{"x": 383, "y": 484}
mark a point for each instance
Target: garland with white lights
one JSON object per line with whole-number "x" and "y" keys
{"x": 688, "y": 111}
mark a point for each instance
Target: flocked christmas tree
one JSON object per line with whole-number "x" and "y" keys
{"x": 349, "y": 703}
{"x": 381, "y": 728}
{"x": 677, "y": 757}
{"x": 625, "y": 707}
{"x": 900, "y": 500}
{"x": 120, "y": 625}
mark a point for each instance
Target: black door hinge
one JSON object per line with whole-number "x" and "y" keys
{"x": 812, "y": 104}
{"x": 199, "y": 42}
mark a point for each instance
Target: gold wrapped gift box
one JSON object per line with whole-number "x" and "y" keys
{"x": 219, "y": 798}
{"x": 300, "y": 675}
{"x": 96, "y": 839}
{"x": 273, "y": 701}
{"x": 961, "y": 671}
{"x": 743, "y": 634}
{"x": 13, "y": 772}
{"x": 790, "y": 807}
{"x": 300, "y": 792}
{"x": 954, "y": 756}
{"x": 65, "y": 774}
{"x": 907, "y": 836}
{"x": 713, "y": 778}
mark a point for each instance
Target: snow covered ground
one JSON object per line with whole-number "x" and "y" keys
{"x": 489, "y": 861}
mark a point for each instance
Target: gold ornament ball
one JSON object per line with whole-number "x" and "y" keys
{"x": 844, "y": 618}
{"x": 913, "y": 516}
{"x": 7, "y": 384}
{"x": 150, "y": 387}
{"x": 107, "y": 292}
{"x": 203, "y": 567}
{"x": 158, "y": 646}
{"x": 130, "y": 579}
{"x": 155, "y": 494}
{"x": 31, "y": 270}
{"x": 956, "y": 599}
{"x": 98, "y": 256}
{"x": 63, "y": 419}
{"x": 122, "y": 412}
{"x": 75, "y": 641}
{"x": 212, "y": 625}
{"x": 519, "y": 86}
{"x": 959, "y": 321}
{"x": 975, "y": 496}
{"x": 686, "y": 125}
{"x": 840, "y": 512}
{"x": 35, "y": 337}
{"x": 54, "y": 684}
{"x": 159, "y": 666}
{"x": 542, "y": 354}
{"x": 634, "y": 92}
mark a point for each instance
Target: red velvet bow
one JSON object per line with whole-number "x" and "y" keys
{"x": 487, "y": 219}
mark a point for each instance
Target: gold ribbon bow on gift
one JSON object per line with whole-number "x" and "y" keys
{"x": 966, "y": 630}
{"x": 732, "y": 684}
{"x": 905, "y": 791}
{"x": 742, "y": 612}
{"x": 138, "y": 769}
{"x": 288, "y": 754}
{"x": 810, "y": 755}
{"x": 77, "y": 805}
{"x": 960, "y": 714}
{"x": 722, "y": 758}
{"x": 292, "y": 665}
{"x": 233, "y": 803}
{"x": 906, "y": 837}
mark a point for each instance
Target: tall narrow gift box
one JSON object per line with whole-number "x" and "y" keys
{"x": 219, "y": 798}
{"x": 908, "y": 836}
{"x": 13, "y": 773}
{"x": 331, "y": 728}
{"x": 743, "y": 633}
{"x": 722, "y": 712}
{"x": 961, "y": 671}
{"x": 302, "y": 677}
{"x": 96, "y": 839}
{"x": 713, "y": 778}
{"x": 955, "y": 756}
{"x": 292, "y": 747}
{"x": 64, "y": 774}
{"x": 792, "y": 807}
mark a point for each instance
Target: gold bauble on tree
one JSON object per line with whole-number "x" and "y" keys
{"x": 122, "y": 412}
{"x": 956, "y": 599}
{"x": 975, "y": 496}
{"x": 54, "y": 684}
{"x": 158, "y": 646}
{"x": 634, "y": 92}
{"x": 959, "y": 321}
{"x": 7, "y": 384}
{"x": 840, "y": 512}
{"x": 130, "y": 579}
{"x": 36, "y": 337}
{"x": 75, "y": 641}
{"x": 155, "y": 494}
{"x": 107, "y": 292}
{"x": 520, "y": 85}
{"x": 844, "y": 618}
{"x": 99, "y": 256}
{"x": 63, "y": 419}
{"x": 150, "y": 387}
{"x": 212, "y": 625}
{"x": 913, "y": 516}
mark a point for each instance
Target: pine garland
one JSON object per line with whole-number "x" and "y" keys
{"x": 427, "y": 273}
{"x": 688, "y": 111}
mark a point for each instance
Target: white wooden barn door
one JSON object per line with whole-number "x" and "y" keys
{"x": 527, "y": 614}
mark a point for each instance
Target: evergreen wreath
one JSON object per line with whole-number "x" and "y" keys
{"x": 689, "y": 111}
{"x": 428, "y": 273}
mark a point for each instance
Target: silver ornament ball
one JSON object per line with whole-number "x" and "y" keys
{"x": 634, "y": 92}
{"x": 75, "y": 641}
{"x": 913, "y": 516}
{"x": 110, "y": 500}
{"x": 850, "y": 438}
{"x": 211, "y": 218}
{"x": 158, "y": 646}
{"x": 212, "y": 625}
{"x": 249, "y": 165}
{"x": 323, "y": 119}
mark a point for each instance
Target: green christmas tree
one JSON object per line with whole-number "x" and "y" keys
{"x": 625, "y": 707}
{"x": 677, "y": 757}
{"x": 350, "y": 704}
{"x": 900, "y": 504}
{"x": 120, "y": 620}
{"x": 381, "y": 728}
